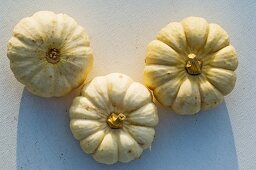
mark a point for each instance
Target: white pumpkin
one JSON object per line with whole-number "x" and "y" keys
{"x": 114, "y": 118}
{"x": 190, "y": 67}
{"x": 50, "y": 54}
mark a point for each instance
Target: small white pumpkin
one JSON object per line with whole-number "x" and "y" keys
{"x": 114, "y": 118}
{"x": 190, "y": 67}
{"x": 50, "y": 54}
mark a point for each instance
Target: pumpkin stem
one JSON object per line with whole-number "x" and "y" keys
{"x": 53, "y": 56}
{"x": 193, "y": 65}
{"x": 115, "y": 121}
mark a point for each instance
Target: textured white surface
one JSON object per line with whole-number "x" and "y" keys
{"x": 34, "y": 132}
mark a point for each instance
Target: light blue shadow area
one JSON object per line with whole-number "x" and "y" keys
{"x": 44, "y": 141}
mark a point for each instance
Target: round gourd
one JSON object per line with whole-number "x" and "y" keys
{"x": 114, "y": 118}
{"x": 190, "y": 67}
{"x": 50, "y": 54}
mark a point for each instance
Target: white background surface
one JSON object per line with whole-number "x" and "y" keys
{"x": 34, "y": 131}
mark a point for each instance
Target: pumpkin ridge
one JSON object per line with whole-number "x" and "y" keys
{"x": 201, "y": 49}
{"x": 37, "y": 71}
{"x": 100, "y": 117}
{"x": 217, "y": 67}
{"x": 177, "y": 51}
{"x": 190, "y": 50}
{"x": 65, "y": 70}
{"x": 93, "y": 102}
{"x": 128, "y": 132}
{"x": 129, "y": 123}
{"x": 80, "y": 50}
{"x": 25, "y": 47}
{"x": 182, "y": 81}
{"x": 110, "y": 91}
{"x": 221, "y": 67}
{"x": 104, "y": 134}
{"x": 168, "y": 78}
{"x": 145, "y": 102}
{"x": 191, "y": 82}
{"x": 163, "y": 32}
{"x": 68, "y": 27}
{"x": 27, "y": 41}
{"x": 109, "y": 108}
{"x": 63, "y": 75}
{"x": 231, "y": 71}
{"x": 86, "y": 138}
{"x": 204, "y": 78}
{"x": 37, "y": 29}
{"x": 81, "y": 130}
{"x": 128, "y": 113}
{"x": 125, "y": 93}
{"x": 70, "y": 62}
{"x": 182, "y": 76}
{"x": 74, "y": 32}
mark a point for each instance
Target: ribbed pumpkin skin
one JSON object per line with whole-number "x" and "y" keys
{"x": 113, "y": 93}
{"x": 34, "y": 38}
{"x": 166, "y": 58}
